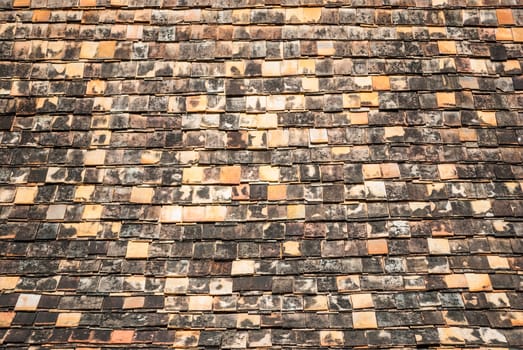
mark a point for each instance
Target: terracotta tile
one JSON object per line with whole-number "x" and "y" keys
{"x": 318, "y": 136}
{"x": 504, "y": 34}
{"x": 242, "y": 267}
{"x": 68, "y": 319}
{"x": 150, "y": 157}
{"x": 240, "y": 192}
{"x": 375, "y": 189}
{"x": 381, "y": 82}
{"x": 8, "y": 282}
{"x": 325, "y": 48}
{"x": 6, "y": 318}
{"x": 27, "y": 302}
{"x": 196, "y": 103}
{"x": 123, "y": 336}
{"x": 133, "y": 302}
{"x": 478, "y": 66}
{"x": 467, "y": 135}
{"x": 192, "y": 175}
{"x": 94, "y": 157}
{"x": 511, "y": 65}
{"x": 56, "y": 212}
{"x": 504, "y": 16}
{"x": 446, "y": 99}
{"x": 219, "y": 143}
{"x": 220, "y": 286}
{"x": 277, "y": 192}
{"x": 295, "y": 102}
{"x": 171, "y": 213}
{"x": 271, "y": 68}
{"x": 440, "y": 229}
{"x": 234, "y": 68}
{"x": 306, "y": 66}
{"x": 498, "y": 262}
{"x": 186, "y": 339}
{"x": 134, "y": 32}
{"x": 257, "y": 139}
{"x": 478, "y": 282}
{"x": 456, "y": 281}
{"x": 200, "y": 302}
{"x": 332, "y": 338}
{"x": 393, "y": 131}
{"x": 74, "y": 70}
{"x": 364, "y": 320}
{"x": 142, "y": 195}
{"x": 438, "y": 246}
{"x": 176, "y": 285}
{"x": 21, "y": 3}
{"x": 447, "y": 47}
{"x": 106, "y": 49}
{"x": 230, "y": 174}
{"x": 92, "y": 212}
{"x": 487, "y": 118}
{"x": 390, "y": 170}
{"x": 371, "y": 171}
{"x": 362, "y": 301}
{"x": 41, "y": 15}
{"x": 517, "y": 34}
{"x": 137, "y": 250}
{"x": 294, "y": 15}
{"x": 245, "y": 320}
{"x": 216, "y": 213}
{"x": 311, "y": 14}
{"x": 289, "y": 67}
{"x": 135, "y": 283}
{"x": 291, "y": 248}
{"x": 25, "y": 195}
{"x": 87, "y": 3}
{"x": 264, "y": 341}
{"x": 83, "y": 193}
{"x": 119, "y": 2}
{"x": 317, "y": 303}
{"x": 369, "y": 99}
{"x": 377, "y": 246}
{"x": 451, "y": 335}
{"x": 296, "y": 211}
{"x": 102, "y": 103}
{"x": 359, "y": 118}
{"x": 267, "y": 121}
{"x": 348, "y": 283}
{"x": 516, "y": 318}
{"x": 269, "y": 173}
{"x": 311, "y": 84}
{"x": 447, "y": 171}
{"x": 256, "y": 104}
{"x": 276, "y": 103}
{"x": 22, "y": 49}
{"x": 87, "y": 229}
{"x": 89, "y": 49}
{"x": 193, "y": 214}
{"x": 481, "y": 207}
{"x": 278, "y": 138}
{"x": 95, "y": 87}
{"x": 101, "y": 138}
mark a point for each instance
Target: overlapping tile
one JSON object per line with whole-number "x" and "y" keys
{"x": 284, "y": 174}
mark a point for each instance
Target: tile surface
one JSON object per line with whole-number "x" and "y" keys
{"x": 282, "y": 174}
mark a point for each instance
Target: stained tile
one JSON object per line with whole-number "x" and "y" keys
{"x": 295, "y": 175}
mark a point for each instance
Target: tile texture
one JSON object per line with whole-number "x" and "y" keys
{"x": 281, "y": 174}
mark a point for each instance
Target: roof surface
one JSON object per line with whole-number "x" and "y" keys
{"x": 281, "y": 174}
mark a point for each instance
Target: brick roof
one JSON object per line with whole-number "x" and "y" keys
{"x": 281, "y": 174}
